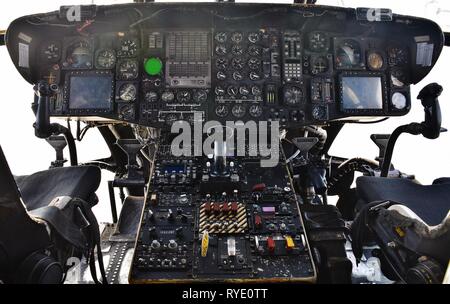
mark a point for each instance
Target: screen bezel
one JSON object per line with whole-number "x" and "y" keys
{"x": 364, "y": 112}
{"x": 88, "y": 111}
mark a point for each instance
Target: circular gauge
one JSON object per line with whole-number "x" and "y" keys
{"x": 255, "y": 111}
{"x": 221, "y": 63}
{"x": 232, "y": 90}
{"x": 237, "y": 50}
{"x": 293, "y": 95}
{"x": 183, "y": 96}
{"x": 221, "y": 37}
{"x": 254, "y": 50}
{"x": 318, "y": 42}
{"x": 254, "y": 37}
{"x": 222, "y": 111}
{"x": 237, "y": 63}
{"x": 320, "y": 65}
{"x": 254, "y": 76}
{"x": 243, "y": 90}
{"x": 128, "y": 70}
{"x": 398, "y": 101}
{"x": 397, "y": 56}
{"x": 151, "y": 97}
{"x": 348, "y": 54}
{"x": 128, "y": 92}
{"x": 238, "y": 111}
{"x": 51, "y": 52}
{"x": 79, "y": 55}
{"x": 128, "y": 48}
{"x": 221, "y": 75}
{"x": 200, "y": 96}
{"x": 171, "y": 119}
{"x": 106, "y": 59}
{"x": 398, "y": 78}
{"x": 236, "y": 37}
{"x": 319, "y": 113}
{"x": 254, "y": 63}
{"x": 375, "y": 61}
{"x": 127, "y": 112}
{"x": 221, "y": 50}
{"x": 219, "y": 91}
{"x": 168, "y": 96}
{"x": 256, "y": 91}
{"x": 238, "y": 76}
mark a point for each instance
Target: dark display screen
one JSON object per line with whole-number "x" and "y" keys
{"x": 362, "y": 93}
{"x": 90, "y": 92}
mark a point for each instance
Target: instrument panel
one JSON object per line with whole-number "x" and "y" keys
{"x": 228, "y": 63}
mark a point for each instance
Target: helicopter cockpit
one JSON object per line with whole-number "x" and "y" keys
{"x": 219, "y": 118}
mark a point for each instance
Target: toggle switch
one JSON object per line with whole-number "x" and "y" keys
{"x": 234, "y": 207}
{"x": 258, "y": 221}
{"x": 271, "y": 244}
{"x": 289, "y": 243}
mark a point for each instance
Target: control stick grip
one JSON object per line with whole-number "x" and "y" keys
{"x": 433, "y": 119}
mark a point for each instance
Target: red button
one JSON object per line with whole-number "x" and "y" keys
{"x": 258, "y": 221}
{"x": 270, "y": 244}
{"x": 258, "y": 187}
{"x": 225, "y": 208}
{"x": 208, "y": 208}
{"x": 216, "y": 208}
{"x": 234, "y": 207}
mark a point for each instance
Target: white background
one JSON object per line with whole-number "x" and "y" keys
{"x": 426, "y": 159}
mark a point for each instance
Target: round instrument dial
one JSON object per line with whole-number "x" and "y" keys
{"x": 221, "y": 37}
{"x": 254, "y": 37}
{"x": 151, "y": 96}
{"x": 238, "y": 111}
{"x": 399, "y": 101}
{"x": 397, "y": 56}
{"x": 255, "y": 50}
{"x": 236, "y": 37}
{"x": 348, "y": 54}
{"x": 254, "y": 63}
{"x": 243, "y": 90}
{"x": 221, "y": 63}
{"x": 320, "y": 65}
{"x": 237, "y": 50}
{"x": 237, "y": 63}
{"x": 106, "y": 59}
{"x": 293, "y": 95}
{"x": 222, "y": 111}
{"x": 200, "y": 96}
{"x": 220, "y": 91}
{"x": 221, "y": 75}
{"x": 398, "y": 78}
{"x": 128, "y": 48}
{"x": 255, "y": 111}
{"x": 221, "y": 50}
{"x": 319, "y": 113}
{"x": 375, "y": 61}
{"x": 232, "y": 90}
{"x": 254, "y": 76}
{"x": 128, "y": 92}
{"x": 238, "y": 76}
{"x": 318, "y": 41}
{"x": 127, "y": 70}
{"x": 79, "y": 55}
{"x": 168, "y": 96}
{"x": 183, "y": 96}
{"x": 256, "y": 90}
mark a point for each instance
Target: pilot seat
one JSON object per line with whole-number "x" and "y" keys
{"x": 45, "y": 219}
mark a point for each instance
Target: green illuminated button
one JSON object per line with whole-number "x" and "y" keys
{"x": 153, "y": 66}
